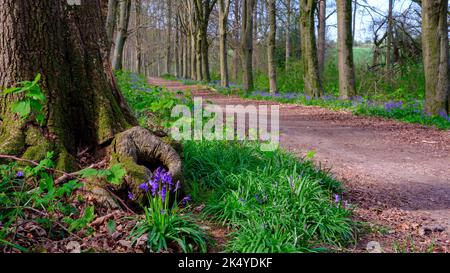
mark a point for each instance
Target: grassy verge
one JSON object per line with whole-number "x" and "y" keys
{"x": 272, "y": 201}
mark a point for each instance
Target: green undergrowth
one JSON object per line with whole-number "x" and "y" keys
{"x": 273, "y": 202}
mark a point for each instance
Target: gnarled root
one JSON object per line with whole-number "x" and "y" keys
{"x": 140, "y": 152}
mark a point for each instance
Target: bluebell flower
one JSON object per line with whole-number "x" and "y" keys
{"x": 186, "y": 200}
{"x": 163, "y": 193}
{"x": 19, "y": 174}
{"x": 144, "y": 187}
{"x": 130, "y": 196}
{"x": 177, "y": 186}
{"x": 337, "y": 198}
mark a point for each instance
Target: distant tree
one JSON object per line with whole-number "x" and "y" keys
{"x": 313, "y": 85}
{"x": 271, "y": 43}
{"x": 122, "y": 34}
{"x": 248, "y": 7}
{"x": 345, "y": 49}
{"x": 224, "y": 9}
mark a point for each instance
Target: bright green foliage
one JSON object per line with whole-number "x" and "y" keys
{"x": 113, "y": 175}
{"x": 33, "y": 189}
{"x": 31, "y": 103}
{"x": 146, "y": 100}
{"x": 274, "y": 202}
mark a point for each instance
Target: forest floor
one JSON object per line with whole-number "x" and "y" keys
{"x": 397, "y": 175}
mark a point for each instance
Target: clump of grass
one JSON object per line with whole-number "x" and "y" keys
{"x": 274, "y": 202}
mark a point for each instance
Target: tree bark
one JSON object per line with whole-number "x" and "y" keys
{"x": 389, "y": 38}
{"x": 84, "y": 107}
{"x": 313, "y": 85}
{"x": 138, "y": 68}
{"x": 321, "y": 43}
{"x": 271, "y": 4}
{"x": 169, "y": 38}
{"x": 247, "y": 44}
{"x": 288, "y": 34}
{"x": 224, "y": 8}
{"x": 111, "y": 21}
{"x": 122, "y": 35}
{"x": 345, "y": 49}
{"x": 435, "y": 55}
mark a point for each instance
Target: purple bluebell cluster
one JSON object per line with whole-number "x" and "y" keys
{"x": 392, "y": 105}
{"x": 444, "y": 115}
{"x": 161, "y": 184}
{"x": 186, "y": 200}
{"x": 261, "y": 200}
{"x": 288, "y": 96}
{"x": 20, "y": 174}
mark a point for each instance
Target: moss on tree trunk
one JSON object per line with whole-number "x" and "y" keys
{"x": 67, "y": 45}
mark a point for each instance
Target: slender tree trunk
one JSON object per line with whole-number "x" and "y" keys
{"x": 69, "y": 48}
{"x": 122, "y": 35}
{"x": 138, "y": 37}
{"x": 198, "y": 56}
{"x": 288, "y": 34}
{"x": 236, "y": 38}
{"x": 247, "y": 43}
{"x": 177, "y": 49}
{"x": 313, "y": 86}
{"x": 345, "y": 49}
{"x": 204, "y": 53}
{"x": 435, "y": 55}
{"x": 321, "y": 44}
{"x": 389, "y": 39}
{"x": 169, "y": 38}
{"x": 271, "y": 4}
{"x": 224, "y": 8}
{"x": 355, "y": 12}
{"x": 111, "y": 21}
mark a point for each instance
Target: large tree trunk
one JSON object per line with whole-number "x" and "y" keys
{"x": 84, "y": 107}
{"x": 247, "y": 44}
{"x": 345, "y": 49}
{"x": 321, "y": 43}
{"x": 435, "y": 55}
{"x": 271, "y": 4}
{"x": 313, "y": 86}
{"x": 224, "y": 8}
{"x": 122, "y": 34}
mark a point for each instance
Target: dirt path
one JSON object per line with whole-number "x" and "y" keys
{"x": 397, "y": 175}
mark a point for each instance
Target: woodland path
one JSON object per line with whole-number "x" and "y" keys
{"x": 397, "y": 174}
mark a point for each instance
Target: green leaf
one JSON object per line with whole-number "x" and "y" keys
{"x": 117, "y": 173}
{"x": 111, "y": 226}
{"x": 22, "y": 108}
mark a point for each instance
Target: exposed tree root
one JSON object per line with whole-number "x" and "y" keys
{"x": 140, "y": 152}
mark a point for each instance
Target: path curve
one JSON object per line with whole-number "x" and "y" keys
{"x": 397, "y": 174}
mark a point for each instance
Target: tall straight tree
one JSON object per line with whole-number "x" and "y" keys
{"x": 321, "y": 41}
{"x": 169, "y": 37}
{"x": 69, "y": 49}
{"x": 111, "y": 20}
{"x": 224, "y": 9}
{"x": 345, "y": 49}
{"x": 313, "y": 85}
{"x": 288, "y": 34}
{"x": 389, "y": 38}
{"x": 203, "y": 9}
{"x": 435, "y": 55}
{"x": 248, "y": 7}
{"x": 122, "y": 34}
{"x": 138, "y": 7}
{"x": 271, "y": 40}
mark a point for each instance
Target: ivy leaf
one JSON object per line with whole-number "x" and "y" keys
{"x": 111, "y": 226}
{"x": 22, "y": 108}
